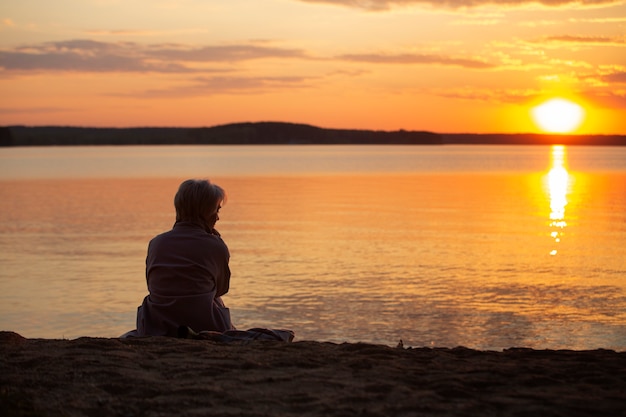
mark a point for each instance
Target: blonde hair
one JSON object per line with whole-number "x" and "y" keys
{"x": 196, "y": 199}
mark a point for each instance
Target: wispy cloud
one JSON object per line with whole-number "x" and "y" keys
{"x": 603, "y": 75}
{"x": 93, "y": 56}
{"x": 118, "y": 32}
{"x": 31, "y": 110}
{"x": 209, "y": 86}
{"x": 134, "y": 32}
{"x": 590, "y": 20}
{"x": 231, "y": 53}
{"x": 417, "y": 59}
{"x": 620, "y": 19}
{"x": 615, "y": 78}
{"x": 84, "y": 55}
{"x": 584, "y": 40}
{"x": 497, "y": 96}
{"x": 606, "y": 99}
{"x": 540, "y": 23}
{"x": 487, "y": 19}
{"x": 378, "y": 5}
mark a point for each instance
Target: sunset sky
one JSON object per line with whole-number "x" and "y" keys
{"x": 445, "y": 66}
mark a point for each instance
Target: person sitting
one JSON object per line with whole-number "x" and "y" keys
{"x": 187, "y": 268}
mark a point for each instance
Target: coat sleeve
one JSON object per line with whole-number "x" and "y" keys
{"x": 222, "y": 279}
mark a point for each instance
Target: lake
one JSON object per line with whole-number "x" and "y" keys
{"x": 486, "y": 247}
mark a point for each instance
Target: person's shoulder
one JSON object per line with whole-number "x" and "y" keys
{"x": 217, "y": 243}
{"x": 163, "y": 234}
{"x": 216, "y": 239}
{"x": 158, "y": 239}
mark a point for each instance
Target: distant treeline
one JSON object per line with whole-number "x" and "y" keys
{"x": 231, "y": 134}
{"x": 533, "y": 139}
{"x": 273, "y": 133}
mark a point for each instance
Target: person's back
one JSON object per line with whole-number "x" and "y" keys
{"x": 187, "y": 260}
{"x": 187, "y": 268}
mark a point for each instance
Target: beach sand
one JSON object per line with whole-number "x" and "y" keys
{"x": 178, "y": 377}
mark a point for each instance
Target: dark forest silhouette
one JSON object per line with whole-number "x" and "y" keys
{"x": 272, "y": 133}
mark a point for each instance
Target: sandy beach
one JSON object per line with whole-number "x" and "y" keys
{"x": 180, "y": 377}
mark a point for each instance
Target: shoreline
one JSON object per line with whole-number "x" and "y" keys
{"x": 183, "y": 377}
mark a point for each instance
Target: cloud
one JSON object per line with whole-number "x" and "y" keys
{"x": 416, "y": 59}
{"x": 498, "y": 96}
{"x": 601, "y": 20}
{"x": 207, "y": 86}
{"x": 119, "y": 32}
{"x": 539, "y": 23}
{"x": 604, "y": 80}
{"x": 615, "y": 78}
{"x": 32, "y": 110}
{"x": 606, "y": 99}
{"x": 134, "y": 32}
{"x": 585, "y": 40}
{"x": 606, "y": 75}
{"x": 230, "y": 53}
{"x": 599, "y": 98}
{"x": 479, "y": 20}
{"x": 378, "y": 5}
{"x": 83, "y": 55}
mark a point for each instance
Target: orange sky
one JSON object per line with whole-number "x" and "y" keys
{"x": 445, "y": 66}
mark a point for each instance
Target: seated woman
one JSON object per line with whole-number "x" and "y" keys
{"x": 187, "y": 268}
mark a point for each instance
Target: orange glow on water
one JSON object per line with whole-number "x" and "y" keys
{"x": 558, "y": 187}
{"x": 444, "y": 256}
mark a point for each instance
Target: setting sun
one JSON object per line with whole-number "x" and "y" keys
{"x": 558, "y": 115}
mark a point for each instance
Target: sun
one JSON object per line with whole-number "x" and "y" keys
{"x": 558, "y": 115}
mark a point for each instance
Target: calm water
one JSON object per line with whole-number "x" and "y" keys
{"x": 483, "y": 246}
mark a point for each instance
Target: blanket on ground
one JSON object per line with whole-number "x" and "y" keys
{"x": 185, "y": 332}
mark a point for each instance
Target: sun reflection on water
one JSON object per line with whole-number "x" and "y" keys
{"x": 558, "y": 186}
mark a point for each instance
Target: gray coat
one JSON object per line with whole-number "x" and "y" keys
{"x": 187, "y": 272}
